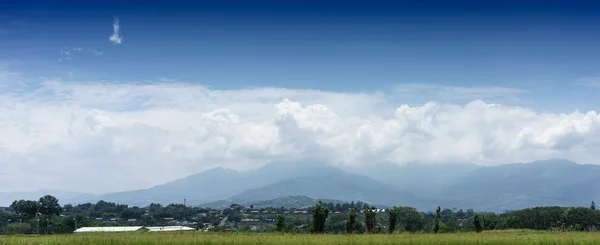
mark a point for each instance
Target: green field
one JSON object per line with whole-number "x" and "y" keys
{"x": 501, "y": 237}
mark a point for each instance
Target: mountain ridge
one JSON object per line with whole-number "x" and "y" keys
{"x": 492, "y": 188}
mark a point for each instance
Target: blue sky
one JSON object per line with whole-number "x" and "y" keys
{"x": 194, "y": 85}
{"x": 355, "y": 46}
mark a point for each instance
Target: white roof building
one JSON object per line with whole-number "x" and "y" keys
{"x": 132, "y": 228}
{"x": 169, "y": 228}
{"x": 109, "y": 229}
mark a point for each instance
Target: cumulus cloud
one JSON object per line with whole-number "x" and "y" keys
{"x": 67, "y": 53}
{"x": 115, "y": 38}
{"x": 117, "y": 136}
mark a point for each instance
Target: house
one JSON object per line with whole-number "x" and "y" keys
{"x": 131, "y": 220}
{"x": 132, "y": 228}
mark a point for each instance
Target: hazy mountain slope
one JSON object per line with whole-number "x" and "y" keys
{"x": 297, "y": 201}
{"x": 335, "y": 184}
{"x": 510, "y": 186}
{"x": 423, "y": 180}
{"x": 212, "y": 185}
{"x": 521, "y": 185}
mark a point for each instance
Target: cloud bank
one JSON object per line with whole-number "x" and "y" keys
{"x": 115, "y": 38}
{"x": 119, "y": 136}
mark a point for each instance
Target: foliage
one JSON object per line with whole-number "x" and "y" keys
{"x": 436, "y": 221}
{"x": 411, "y": 219}
{"x": 21, "y": 217}
{"x": 370, "y": 219}
{"x": 48, "y": 205}
{"x": 280, "y": 225}
{"x": 319, "y": 213}
{"x": 351, "y": 223}
{"x": 593, "y": 207}
{"x": 26, "y": 209}
{"x": 392, "y": 218}
{"x": 477, "y": 224}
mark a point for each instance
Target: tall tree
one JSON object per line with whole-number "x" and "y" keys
{"x": 49, "y": 205}
{"x": 370, "y": 219}
{"x": 351, "y": 222}
{"x": 593, "y": 207}
{"x": 482, "y": 222}
{"x": 280, "y": 224}
{"x": 393, "y": 217}
{"x": 477, "y": 224}
{"x": 436, "y": 221}
{"x": 319, "y": 213}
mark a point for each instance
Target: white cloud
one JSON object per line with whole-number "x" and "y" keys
{"x": 115, "y": 38}
{"x": 590, "y": 81}
{"x": 116, "y": 136}
{"x": 66, "y": 53}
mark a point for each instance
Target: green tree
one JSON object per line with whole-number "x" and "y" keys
{"x": 477, "y": 224}
{"x": 482, "y": 222}
{"x": 26, "y": 208}
{"x": 370, "y": 219}
{"x": 411, "y": 219}
{"x": 319, "y": 213}
{"x": 593, "y": 207}
{"x": 392, "y": 218}
{"x": 48, "y": 205}
{"x": 351, "y": 221}
{"x": 436, "y": 221}
{"x": 280, "y": 224}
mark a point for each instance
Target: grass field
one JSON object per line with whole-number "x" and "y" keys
{"x": 501, "y": 237}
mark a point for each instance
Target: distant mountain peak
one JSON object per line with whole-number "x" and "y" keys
{"x": 556, "y": 162}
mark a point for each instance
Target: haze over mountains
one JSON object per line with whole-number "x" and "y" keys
{"x": 496, "y": 188}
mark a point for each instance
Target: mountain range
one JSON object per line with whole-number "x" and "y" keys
{"x": 491, "y": 188}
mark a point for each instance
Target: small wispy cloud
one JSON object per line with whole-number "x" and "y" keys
{"x": 590, "y": 81}
{"x": 66, "y": 53}
{"x": 115, "y": 38}
{"x": 435, "y": 92}
{"x": 166, "y": 80}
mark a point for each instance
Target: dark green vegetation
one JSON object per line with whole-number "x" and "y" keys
{"x": 553, "y": 182}
{"x": 47, "y": 216}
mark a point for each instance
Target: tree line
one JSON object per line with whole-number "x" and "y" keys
{"x": 47, "y": 216}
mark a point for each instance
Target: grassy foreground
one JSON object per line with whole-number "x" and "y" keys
{"x": 502, "y": 237}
